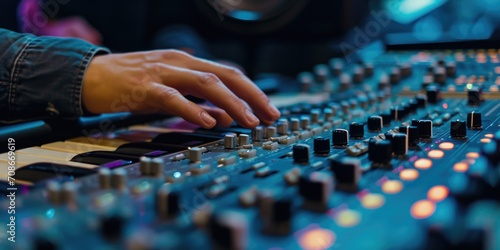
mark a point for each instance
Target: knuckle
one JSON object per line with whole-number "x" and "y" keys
{"x": 208, "y": 79}
{"x": 235, "y": 72}
{"x": 171, "y": 55}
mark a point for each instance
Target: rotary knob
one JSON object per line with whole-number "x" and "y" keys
{"x": 375, "y": 123}
{"x": 347, "y": 172}
{"x": 399, "y": 144}
{"x": 340, "y": 137}
{"x": 316, "y": 188}
{"x": 380, "y": 152}
{"x": 433, "y": 94}
{"x": 321, "y": 145}
{"x": 357, "y": 130}
{"x": 167, "y": 202}
{"x": 474, "y": 97}
{"x": 412, "y": 134}
{"x": 301, "y": 153}
{"x": 424, "y": 128}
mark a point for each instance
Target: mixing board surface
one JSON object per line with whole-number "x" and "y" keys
{"x": 399, "y": 153}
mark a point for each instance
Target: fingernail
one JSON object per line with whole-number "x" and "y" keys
{"x": 251, "y": 117}
{"x": 274, "y": 110}
{"x": 207, "y": 119}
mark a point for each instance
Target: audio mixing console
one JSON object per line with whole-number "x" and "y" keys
{"x": 402, "y": 152}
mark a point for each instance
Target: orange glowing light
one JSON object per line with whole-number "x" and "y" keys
{"x": 485, "y": 140}
{"x": 437, "y": 193}
{"x": 472, "y": 155}
{"x": 489, "y": 136}
{"x": 423, "y": 163}
{"x": 435, "y": 154}
{"x": 446, "y": 146}
{"x": 317, "y": 239}
{"x": 422, "y": 209}
{"x": 372, "y": 201}
{"x": 461, "y": 167}
{"x": 392, "y": 186}
{"x": 497, "y": 70}
{"x": 408, "y": 174}
{"x": 347, "y": 218}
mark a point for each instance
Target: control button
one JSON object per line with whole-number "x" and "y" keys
{"x": 275, "y": 212}
{"x": 228, "y": 230}
{"x": 294, "y": 124}
{"x": 375, "y": 123}
{"x": 305, "y": 122}
{"x": 230, "y": 141}
{"x": 243, "y": 139}
{"x": 380, "y": 152}
{"x": 145, "y": 165}
{"x": 474, "y": 120}
{"x": 167, "y": 202}
{"x": 301, "y": 153}
{"x": 474, "y": 97}
{"x": 357, "y": 130}
{"x": 347, "y": 172}
{"x": 411, "y": 133}
{"x": 194, "y": 154}
{"x": 327, "y": 114}
{"x": 257, "y": 134}
{"x": 321, "y": 145}
{"x": 424, "y": 128}
{"x": 340, "y": 137}
{"x": 458, "y": 129}
{"x": 433, "y": 94}
{"x": 315, "y": 115}
{"x": 399, "y": 144}
{"x": 119, "y": 179}
{"x": 316, "y": 188}
{"x": 282, "y": 128}
{"x": 386, "y": 118}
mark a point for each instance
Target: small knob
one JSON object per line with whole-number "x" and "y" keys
{"x": 424, "y": 128}
{"x": 112, "y": 226}
{"x": 440, "y": 75}
{"x": 359, "y": 74}
{"x": 347, "y": 172}
{"x": 305, "y": 122}
{"x": 315, "y": 115}
{"x": 380, "y": 152}
{"x": 412, "y": 134}
{"x": 145, "y": 165}
{"x": 275, "y": 212}
{"x": 119, "y": 179}
{"x": 368, "y": 69}
{"x": 228, "y": 230}
{"x": 386, "y": 118}
{"x": 336, "y": 66}
{"x": 230, "y": 141}
{"x": 156, "y": 167}
{"x": 399, "y": 144}
{"x": 306, "y": 80}
{"x": 421, "y": 100}
{"x": 340, "y": 137}
{"x": 375, "y": 123}
{"x": 294, "y": 124}
{"x": 451, "y": 69}
{"x": 301, "y": 153}
{"x": 321, "y": 72}
{"x": 357, "y": 130}
{"x": 395, "y": 75}
{"x": 104, "y": 178}
{"x": 474, "y": 120}
{"x": 243, "y": 139}
{"x": 474, "y": 97}
{"x": 321, "y": 145}
{"x": 406, "y": 69}
{"x": 194, "y": 154}
{"x": 282, "y": 128}
{"x": 257, "y": 134}
{"x": 397, "y": 113}
{"x": 458, "y": 129}
{"x": 316, "y": 188}
{"x": 167, "y": 202}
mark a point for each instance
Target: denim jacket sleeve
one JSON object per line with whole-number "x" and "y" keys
{"x": 42, "y": 77}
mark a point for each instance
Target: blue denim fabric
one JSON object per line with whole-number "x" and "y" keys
{"x": 42, "y": 76}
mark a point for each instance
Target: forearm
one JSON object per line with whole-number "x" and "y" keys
{"x": 42, "y": 76}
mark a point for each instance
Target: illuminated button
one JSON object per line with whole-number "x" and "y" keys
{"x": 317, "y": 238}
{"x": 461, "y": 167}
{"x": 408, "y": 174}
{"x": 435, "y": 154}
{"x": 392, "y": 186}
{"x": 423, "y": 163}
{"x": 485, "y": 140}
{"x": 422, "y": 209}
{"x": 472, "y": 155}
{"x": 437, "y": 193}
{"x": 446, "y": 146}
{"x": 347, "y": 218}
{"x": 372, "y": 201}
{"x": 489, "y": 136}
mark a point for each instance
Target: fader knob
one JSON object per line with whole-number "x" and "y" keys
{"x": 340, "y": 137}
{"x": 347, "y": 172}
{"x": 167, "y": 202}
{"x": 229, "y": 230}
{"x": 357, "y": 130}
{"x": 380, "y": 152}
{"x": 399, "y": 144}
{"x": 474, "y": 120}
{"x": 321, "y": 145}
{"x": 433, "y": 94}
{"x": 412, "y": 134}
{"x": 375, "y": 123}
{"x": 474, "y": 97}
{"x": 301, "y": 153}
{"x": 424, "y": 128}
{"x": 316, "y": 188}
{"x": 458, "y": 129}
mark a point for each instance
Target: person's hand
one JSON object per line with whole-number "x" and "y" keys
{"x": 157, "y": 81}
{"x": 75, "y": 27}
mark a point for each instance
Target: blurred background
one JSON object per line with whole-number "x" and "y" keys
{"x": 262, "y": 36}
